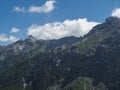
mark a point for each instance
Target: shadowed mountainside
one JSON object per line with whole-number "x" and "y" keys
{"x": 91, "y": 62}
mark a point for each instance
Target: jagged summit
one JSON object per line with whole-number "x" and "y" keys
{"x": 112, "y": 20}
{"x": 31, "y": 39}
{"x": 111, "y": 25}
{"x": 19, "y": 41}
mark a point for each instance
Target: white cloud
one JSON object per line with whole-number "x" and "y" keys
{"x": 5, "y": 38}
{"x": 116, "y": 12}
{"x": 15, "y": 30}
{"x": 58, "y": 30}
{"x": 19, "y": 9}
{"x": 46, "y": 8}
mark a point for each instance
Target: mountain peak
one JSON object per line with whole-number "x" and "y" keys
{"x": 112, "y": 20}
{"x": 31, "y": 39}
{"x": 111, "y": 24}
{"x": 20, "y": 41}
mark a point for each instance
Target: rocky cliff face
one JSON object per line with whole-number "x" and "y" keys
{"x": 31, "y": 44}
{"x": 91, "y": 62}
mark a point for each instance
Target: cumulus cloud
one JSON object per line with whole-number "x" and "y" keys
{"x": 116, "y": 12}
{"x": 46, "y": 8}
{"x": 58, "y": 30}
{"x": 15, "y": 30}
{"x": 5, "y": 38}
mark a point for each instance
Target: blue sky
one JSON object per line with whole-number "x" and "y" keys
{"x": 51, "y": 19}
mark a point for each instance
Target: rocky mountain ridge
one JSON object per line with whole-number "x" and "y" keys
{"x": 91, "y": 62}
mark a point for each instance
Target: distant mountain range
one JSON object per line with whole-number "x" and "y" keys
{"x": 91, "y": 62}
